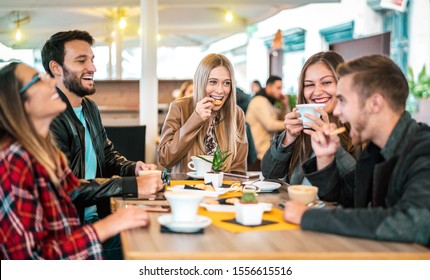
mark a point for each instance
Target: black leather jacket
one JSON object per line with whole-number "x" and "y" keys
{"x": 70, "y": 136}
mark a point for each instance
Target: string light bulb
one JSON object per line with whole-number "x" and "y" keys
{"x": 229, "y": 16}
{"x": 122, "y": 23}
{"x": 18, "y": 34}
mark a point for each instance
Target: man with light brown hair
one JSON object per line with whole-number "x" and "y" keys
{"x": 387, "y": 196}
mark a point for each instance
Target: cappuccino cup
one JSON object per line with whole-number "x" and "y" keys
{"x": 308, "y": 109}
{"x": 200, "y": 166}
{"x": 184, "y": 205}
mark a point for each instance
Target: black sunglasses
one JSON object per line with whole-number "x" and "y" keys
{"x": 32, "y": 82}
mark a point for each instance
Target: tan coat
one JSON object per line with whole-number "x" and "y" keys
{"x": 264, "y": 121}
{"x": 178, "y": 140}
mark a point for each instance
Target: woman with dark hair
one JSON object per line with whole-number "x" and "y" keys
{"x": 39, "y": 220}
{"x": 255, "y": 87}
{"x": 198, "y": 124}
{"x": 317, "y": 85}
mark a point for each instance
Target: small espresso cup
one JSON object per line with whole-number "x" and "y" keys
{"x": 200, "y": 166}
{"x": 184, "y": 205}
{"x": 308, "y": 109}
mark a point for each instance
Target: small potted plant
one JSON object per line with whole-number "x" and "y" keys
{"x": 248, "y": 211}
{"x": 216, "y": 176}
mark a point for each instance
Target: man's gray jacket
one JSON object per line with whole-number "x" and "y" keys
{"x": 389, "y": 190}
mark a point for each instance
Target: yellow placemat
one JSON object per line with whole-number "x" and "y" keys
{"x": 275, "y": 215}
{"x": 217, "y": 218}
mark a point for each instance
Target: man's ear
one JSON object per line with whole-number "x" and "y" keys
{"x": 377, "y": 102}
{"x": 55, "y": 68}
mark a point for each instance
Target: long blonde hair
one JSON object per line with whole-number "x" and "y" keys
{"x": 302, "y": 149}
{"x": 16, "y": 125}
{"x": 228, "y": 131}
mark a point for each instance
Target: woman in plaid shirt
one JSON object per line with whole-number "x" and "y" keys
{"x": 37, "y": 217}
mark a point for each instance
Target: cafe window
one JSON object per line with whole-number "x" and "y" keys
{"x": 397, "y": 23}
{"x": 338, "y": 33}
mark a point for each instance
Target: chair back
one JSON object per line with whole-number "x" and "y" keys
{"x": 128, "y": 140}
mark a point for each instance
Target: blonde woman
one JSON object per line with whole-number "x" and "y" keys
{"x": 38, "y": 218}
{"x": 196, "y": 125}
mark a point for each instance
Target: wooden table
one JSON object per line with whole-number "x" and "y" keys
{"x": 216, "y": 243}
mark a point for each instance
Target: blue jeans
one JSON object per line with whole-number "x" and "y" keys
{"x": 112, "y": 248}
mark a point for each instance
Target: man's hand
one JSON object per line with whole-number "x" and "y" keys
{"x": 324, "y": 144}
{"x": 149, "y": 184}
{"x": 293, "y": 212}
{"x": 140, "y": 166}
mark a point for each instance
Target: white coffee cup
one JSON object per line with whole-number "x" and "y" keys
{"x": 184, "y": 205}
{"x": 308, "y": 109}
{"x": 200, "y": 166}
{"x": 144, "y": 172}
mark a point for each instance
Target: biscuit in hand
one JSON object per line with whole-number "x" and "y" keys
{"x": 217, "y": 102}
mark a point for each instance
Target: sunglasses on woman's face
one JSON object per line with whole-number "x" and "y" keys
{"x": 29, "y": 84}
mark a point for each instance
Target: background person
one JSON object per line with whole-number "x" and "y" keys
{"x": 265, "y": 116}
{"x": 38, "y": 219}
{"x": 317, "y": 85}
{"x": 186, "y": 89}
{"x": 255, "y": 87}
{"x": 387, "y": 195}
{"x": 197, "y": 125}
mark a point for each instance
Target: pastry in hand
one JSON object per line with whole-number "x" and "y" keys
{"x": 217, "y": 102}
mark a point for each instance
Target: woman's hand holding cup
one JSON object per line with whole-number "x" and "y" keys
{"x": 293, "y": 127}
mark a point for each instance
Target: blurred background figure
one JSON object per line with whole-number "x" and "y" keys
{"x": 255, "y": 87}
{"x": 242, "y": 99}
{"x": 186, "y": 89}
{"x": 265, "y": 115}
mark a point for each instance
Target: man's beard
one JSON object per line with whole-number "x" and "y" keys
{"x": 360, "y": 125}
{"x": 73, "y": 84}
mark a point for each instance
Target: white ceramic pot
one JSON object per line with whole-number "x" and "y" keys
{"x": 214, "y": 178}
{"x": 249, "y": 214}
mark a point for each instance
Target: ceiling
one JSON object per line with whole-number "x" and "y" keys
{"x": 181, "y": 22}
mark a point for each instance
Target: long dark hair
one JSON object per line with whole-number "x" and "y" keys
{"x": 302, "y": 148}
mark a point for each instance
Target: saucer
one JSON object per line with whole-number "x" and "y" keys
{"x": 199, "y": 223}
{"x": 194, "y": 175}
{"x": 266, "y": 186}
{"x": 216, "y": 193}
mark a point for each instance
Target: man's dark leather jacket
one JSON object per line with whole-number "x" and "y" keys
{"x": 70, "y": 137}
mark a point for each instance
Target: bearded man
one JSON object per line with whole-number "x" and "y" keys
{"x": 79, "y": 133}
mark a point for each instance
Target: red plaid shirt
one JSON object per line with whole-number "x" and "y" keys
{"x": 37, "y": 219}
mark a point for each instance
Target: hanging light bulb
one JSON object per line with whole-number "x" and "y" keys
{"x": 18, "y": 34}
{"x": 122, "y": 23}
{"x": 229, "y": 16}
